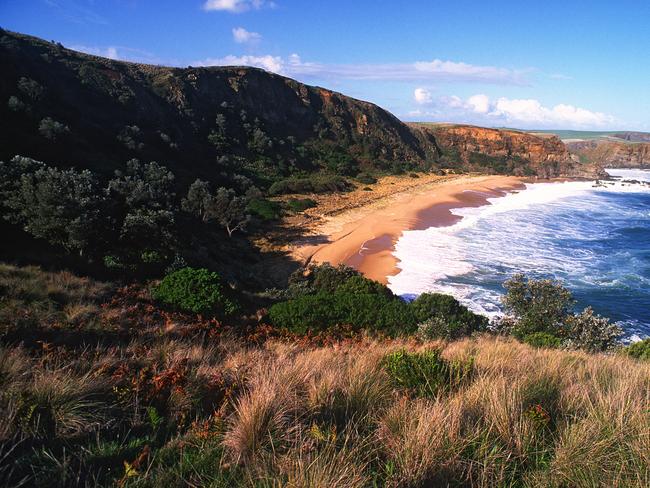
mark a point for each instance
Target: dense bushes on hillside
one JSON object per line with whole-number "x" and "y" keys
{"x": 328, "y": 296}
{"x": 132, "y": 222}
{"x": 67, "y": 107}
{"x": 313, "y": 184}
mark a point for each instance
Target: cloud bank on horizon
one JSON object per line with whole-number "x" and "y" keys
{"x": 524, "y": 113}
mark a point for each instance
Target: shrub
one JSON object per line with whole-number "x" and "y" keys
{"x": 433, "y": 328}
{"x": 592, "y": 332}
{"x": 194, "y": 290}
{"x": 326, "y": 277}
{"x": 639, "y": 350}
{"x": 543, "y": 340}
{"x": 264, "y": 209}
{"x": 537, "y": 305}
{"x": 52, "y": 129}
{"x": 300, "y": 205}
{"x": 539, "y": 309}
{"x": 15, "y": 104}
{"x": 322, "y": 311}
{"x": 425, "y": 373}
{"x": 366, "y": 179}
{"x": 456, "y": 320}
{"x": 313, "y": 184}
{"x": 328, "y": 295}
{"x": 363, "y": 286}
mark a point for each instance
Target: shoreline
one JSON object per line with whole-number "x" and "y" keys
{"x": 365, "y": 237}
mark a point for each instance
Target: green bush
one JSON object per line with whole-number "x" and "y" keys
{"x": 194, "y": 290}
{"x": 362, "y": 311}
{"x": 545, "y": 306}
{"x": 363, "y": 286}
{"x": 457, "y": 321}
{"x": 425, "y": 373}
{"x": 313, "y": 184}
{"x": 543, "y": 340}
{"x": 639, "y": 350}
{"x": 327, "y": 296}
{"x": 366, "y": 179}
{"x": 264, "y": 209}
{"x": 326, "y": 278}
{"x": 300, "y": 204}
{"x": 591, "y": 332}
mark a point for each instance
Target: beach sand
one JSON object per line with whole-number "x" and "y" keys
{"x": 364, "y": 237}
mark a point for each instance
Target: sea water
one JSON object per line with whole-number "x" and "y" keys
{"x": 595, "y": 239}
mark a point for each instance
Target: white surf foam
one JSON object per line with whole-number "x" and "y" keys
{"x": 437, "y": 259}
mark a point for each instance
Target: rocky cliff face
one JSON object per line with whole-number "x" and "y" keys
{"x": 508, "y": 151}
{"x": 613, "y": 154}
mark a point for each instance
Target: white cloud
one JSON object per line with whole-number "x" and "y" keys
{"x": 237, "y": 6}
{"x": 523, "y": 113}
{"x": 120, "y": 53}
{"x": 105, "y": 52}
{"x": 269, "y": 63}
{"x": 406, "y": 72}
{"x": 242, "y": 36}
{"x": 422, "y": 96}
{"x": 455, "y": 70}
{"x": 479, "y": 103}
{"x": 532, "y": 111}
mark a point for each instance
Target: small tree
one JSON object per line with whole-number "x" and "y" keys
{"x": 591, "y": 332}
{"x": 51, "y": 129}
{"x": 194, "y": 290}
{"x": 198, "y": 199}
{"x": 537, "y": 305}
{"x": 143, "y": 185}
{"x": 229, "y": 210}
{"x": 30, "y": 88}
{"x": 59, "y": 206}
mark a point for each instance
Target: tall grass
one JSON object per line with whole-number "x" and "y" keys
{"x": 163, "y": 410}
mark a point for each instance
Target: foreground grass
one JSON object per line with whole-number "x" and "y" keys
{"x": 157, "y": 407}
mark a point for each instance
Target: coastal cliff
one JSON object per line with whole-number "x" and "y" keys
{"x": 508, "y": 151}
{"x": 72, "y": 109}
{"x": 613, "y": 154}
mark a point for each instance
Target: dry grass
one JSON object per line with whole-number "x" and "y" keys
{"x": 222, "y": 412}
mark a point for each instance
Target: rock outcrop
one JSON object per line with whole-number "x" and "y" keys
{"x": 508, "y": 151}
{"x": 613, "y": 154}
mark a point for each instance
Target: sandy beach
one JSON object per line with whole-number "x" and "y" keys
{"x": 364, "y": 237}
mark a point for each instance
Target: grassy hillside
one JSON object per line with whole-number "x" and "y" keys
{"x": 102, "y": 386}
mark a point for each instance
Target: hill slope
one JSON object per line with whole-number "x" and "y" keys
{"x": 71, "y": 108}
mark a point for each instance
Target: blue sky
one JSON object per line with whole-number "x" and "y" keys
{"x": 571, "y": 64}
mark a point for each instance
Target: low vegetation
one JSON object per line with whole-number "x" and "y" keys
{"x": 177, "y": 400}
{"x": 329, "y": 296}
{"x": 540, "y": 312}
{"x": 194, "y": 290}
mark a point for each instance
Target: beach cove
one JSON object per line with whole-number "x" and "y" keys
{"x": 364, "y": 237}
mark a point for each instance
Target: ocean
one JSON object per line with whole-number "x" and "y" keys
{"x": 595, "y": 239}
